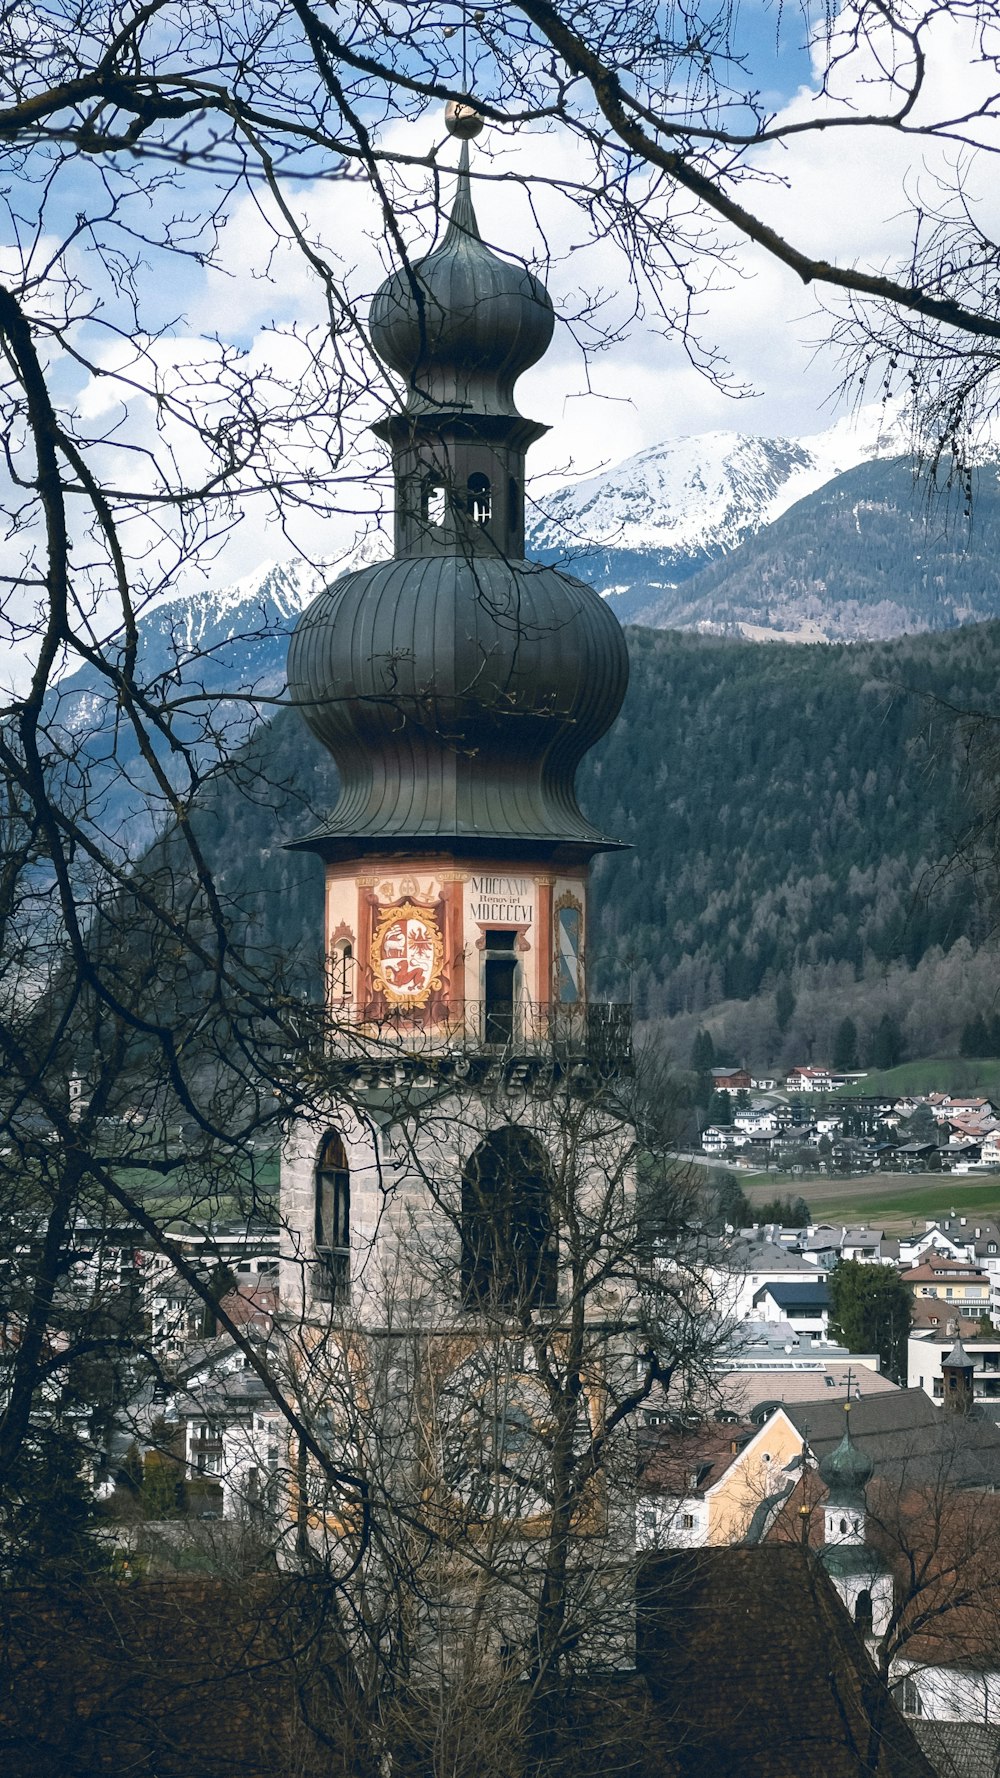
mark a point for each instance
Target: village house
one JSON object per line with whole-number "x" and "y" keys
{"x": 811, "y": 1080}
{"x": 741, "y": 1265}
{"x": 958, "y": 1281}
{"x": 804, "y": 1306}
{"x": 730, "y": 1080}
{"x": 709, "y": 1485}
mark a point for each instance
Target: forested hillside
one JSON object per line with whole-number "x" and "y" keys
{"x": 793, "y": 815}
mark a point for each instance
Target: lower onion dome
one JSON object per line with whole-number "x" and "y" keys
{"x": 457, "y": 696}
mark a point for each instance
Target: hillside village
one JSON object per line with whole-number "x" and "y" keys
{"x": 805, "y": 1121}
{"x": 795, "y": 1435}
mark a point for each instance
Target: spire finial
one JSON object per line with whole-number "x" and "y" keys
{"x": 463, "y": 121}
{"x": 462, "y": 224}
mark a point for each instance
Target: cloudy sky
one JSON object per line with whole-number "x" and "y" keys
{"x": 842, "y": 194}
{"x": 847, "y": 195}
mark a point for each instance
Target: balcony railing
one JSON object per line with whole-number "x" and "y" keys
{"x": 598, "y": 1032}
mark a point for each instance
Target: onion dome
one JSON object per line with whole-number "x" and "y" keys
{"x": 457, "y": 699}
{"x": 846, "y": 1473}
{"x": 458, "y": 686}
{"x": 461, "y": 324}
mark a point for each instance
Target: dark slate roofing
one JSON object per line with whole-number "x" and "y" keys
{"x": 908, "y": 1439}
{"x": 792, "y": 1295}
{"x": 958, "y": 1358}
{"x": 461, "y": 324}
{"x": 169, "y": 1679}
{"x": 960, "y": 1749}
{"x": 457, "y": 696}
{"x": 755, "y": 1254}
{"x": 758, "y": 1670}
{"x": 458, "y": 687}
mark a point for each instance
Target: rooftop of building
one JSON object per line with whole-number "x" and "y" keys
{"x": 909, "y": 1440}
{"x": 683, "y": 1461}
{"x": 794, "y": 1294}
{"x": 733, "y": 1643}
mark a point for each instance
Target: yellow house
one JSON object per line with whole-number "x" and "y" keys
{"x": 950, "y": 1280}
{"x": 708, "y": 1485}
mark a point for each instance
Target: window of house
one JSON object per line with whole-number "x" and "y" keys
{"x": 907, "y": 1696}
{"x": 688, "y": 1521}
{"x": 333, "y": 1222}
{"x": 479, "y": 502}
{"x": 500, "y": 972}
{"x": 509, "y": 1249}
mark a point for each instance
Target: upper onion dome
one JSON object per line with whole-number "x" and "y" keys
{"x": 846, "y": 1472}
{"x": 461, "y": 324}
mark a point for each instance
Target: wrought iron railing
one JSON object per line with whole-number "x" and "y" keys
{"x": 598, "y": 1032}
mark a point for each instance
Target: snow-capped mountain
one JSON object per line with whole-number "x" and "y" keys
{"x": 723, "y": 531}
{"x": 653, "y": 521}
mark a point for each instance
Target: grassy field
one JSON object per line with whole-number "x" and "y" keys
{"x": 189, "y": 1197}
{"x": 889, "y": 1200}
{"x": 946, "y": 1074}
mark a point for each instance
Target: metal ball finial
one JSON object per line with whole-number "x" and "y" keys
{"x": 462, "y": 120}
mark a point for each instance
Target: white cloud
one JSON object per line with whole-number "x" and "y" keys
{"x": 842, "y": 194}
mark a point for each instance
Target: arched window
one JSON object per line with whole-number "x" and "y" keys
{"x": 433, "y": 501}
{"x": 843, "y": 1527}
{"x": 508, "y": 1242}
{"x": 863, "y": 1611}
{"x": 479, "y": 499}
{"x": 333, "y": 1222}
{"x": 342, "y": 970}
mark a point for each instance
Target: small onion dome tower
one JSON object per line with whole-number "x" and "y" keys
{"x": 846, "y": 1473}
{"x": 858, "y": 1571}
{"x": 458, "y": 685}
{"x": 957, "y": 1371}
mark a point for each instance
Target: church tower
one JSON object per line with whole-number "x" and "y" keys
{"x": 457, "y": 686}
{"x": 958, "y": 1374}
{"x": 857, "y": 1569}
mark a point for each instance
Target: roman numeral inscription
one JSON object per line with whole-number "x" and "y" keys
{"x": 506, "y": 900}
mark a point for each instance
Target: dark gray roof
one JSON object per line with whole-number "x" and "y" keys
{"x": 793, "y": 1295}
{"x": 458, "y": 686}
{"x": 907, "y": 1438}
{"x": 457, "y": 696}
{"x": 461, "y": 324}
{"x": 959, "y": 1749}
{"x": 758, "y": 1669}
{"x": 745, "y": 1254}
